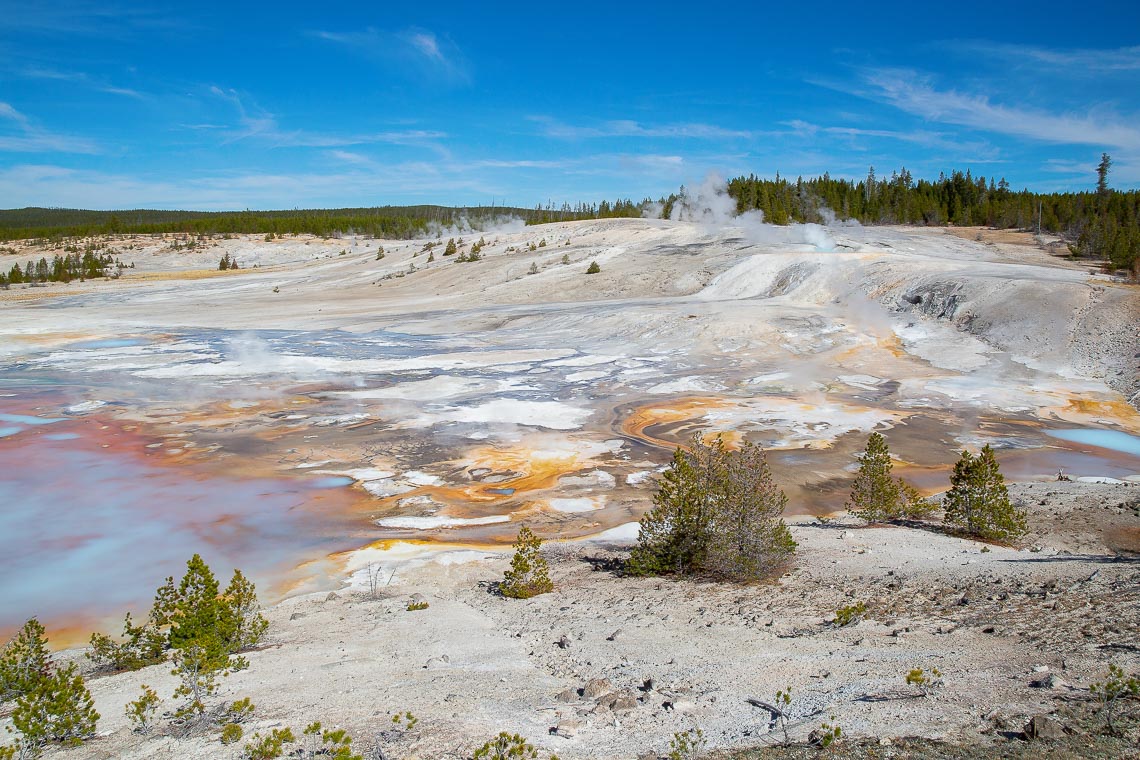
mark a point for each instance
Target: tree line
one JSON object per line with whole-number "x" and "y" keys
{"x": 73, "y": 266}
{"x": 1101, "y": 224}
{"x": 396, "y": 222}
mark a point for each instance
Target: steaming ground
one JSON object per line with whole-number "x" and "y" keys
{"x": 449, "y": 402}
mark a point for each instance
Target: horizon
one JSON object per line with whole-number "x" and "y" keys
{"x": 224, "y": 108}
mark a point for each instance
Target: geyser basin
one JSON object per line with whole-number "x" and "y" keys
{"x": 456, "y": 401}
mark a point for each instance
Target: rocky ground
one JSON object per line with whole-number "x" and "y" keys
{"x": 610, "y": 666}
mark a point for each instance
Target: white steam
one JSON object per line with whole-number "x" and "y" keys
{"x": 504, "y": 224}
{"x": 709, "y": 204}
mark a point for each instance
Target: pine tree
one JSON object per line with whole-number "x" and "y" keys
{"x": 450, "y": 249}
{"x": 672, "y": 536}
{"x": 199, "y": 616}
{"x": 978, "y": 501}
{"x": 1102, "y": 174}
{"x": 52, "y": 704}
{"x": 241, "y": 622}
{"x": 594, "y": 268}
{"x": 58, "y": 709}
{"x": 529, "y": 575}
{"x": 24, "y": 661}
{"x": 875, "y": 495}
{"x": 716, "y": 511}
{"x": 748, "y": 539}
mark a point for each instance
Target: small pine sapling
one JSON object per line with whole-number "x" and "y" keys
{"x": 528, "y": 575}
{"x": 925, "y": 682}
{"x": 1111, "y": 692}
{"x": 240, "y": 711}
{"x": 232, "y": 733}
{"x": 687, "y": 745}
{"x": 827, "y": 734}
{"x": 783, "y": 700}
{"x": 141, "y": 712}
{"x": 850, "y": 614}
{"x": 328, "y": 742}
{"x": 594, "y": 268}
{"x": 506, "y": 746}
{"x": 268, "y": 747}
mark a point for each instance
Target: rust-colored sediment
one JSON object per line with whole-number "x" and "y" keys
{"x": 536, "y": 470}
{"x": 637, "y": 422}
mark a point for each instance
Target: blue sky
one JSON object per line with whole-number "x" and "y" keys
{"x": 249, "y": 105}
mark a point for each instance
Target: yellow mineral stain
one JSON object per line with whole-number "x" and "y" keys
{"x": 1083, "y": 411}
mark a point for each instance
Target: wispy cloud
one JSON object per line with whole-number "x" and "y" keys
{"x": 24, "y": 136}
{"x": 629, "y": 128}
{"x": 914, "y": 94}
{"x": 419, "y": 50}
{"x": 256, "y": 123}
{"x": 83, "y": 79}
{"x": 81, "y": 17}
{"x": 1074, "y": 61}
{"x": 977, "y": 150}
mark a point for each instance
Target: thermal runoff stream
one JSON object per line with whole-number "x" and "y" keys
{"x": 141, "y": 422}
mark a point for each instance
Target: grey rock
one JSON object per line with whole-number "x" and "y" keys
{"x": 569, "y": 695}
{"x": 596, "y": 688}
{"x": 1051, "y": 681}
{"x": 567, "y": 728}
{"x": 297, "y": 616}
{"x": 331, "y": 596}
{"x": 624, "y": 703}
{"x": 1044, "y": 727}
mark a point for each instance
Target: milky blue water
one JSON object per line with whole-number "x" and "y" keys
{"x": 1105, "y": 439}
{"x": 23, "y": 419}
{"x": 91, "y": 532}
{"x": 107, "y": 343}
{"x": 332, "y": 481}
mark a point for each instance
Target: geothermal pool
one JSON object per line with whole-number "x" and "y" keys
{"x": 276, "y": 450}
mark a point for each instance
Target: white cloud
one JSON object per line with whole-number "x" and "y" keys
{"x": 10, "y": 113}
{"x": 630, "y": 128}
{"x": 978, "y": 150}
{"x": 83, "y": 79}
{"x": 426, "y": 43}
{"x": 908, "y": 91}
{"x": 1074, "y": 62}
{"x": 410, "y": 50}
{"x": 257, "y": 123}
{"x": 29, "y": 138}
